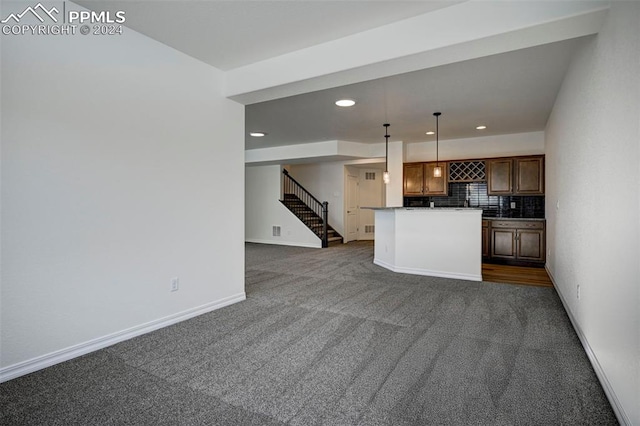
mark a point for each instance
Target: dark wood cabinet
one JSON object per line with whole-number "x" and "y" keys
{"x": 516, "y": 176}
{"x": 503, "y": 243}
{"x": 413, "y": 179}
{"x": 486, "y": 239}
{"x": 504, "y": 176}
{"x": 418, "y": 179}
{"x": 530, "y": 245}
{"x": 435, "y": 185}
{"x": 500, "y": 176}
{"x": 521, "y": 241}
{"x": 529, "y": 172}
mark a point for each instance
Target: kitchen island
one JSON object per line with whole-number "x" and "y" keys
{"x": 439, "y": 242}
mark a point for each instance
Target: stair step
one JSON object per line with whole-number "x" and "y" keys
{"x": 310, "y": 218}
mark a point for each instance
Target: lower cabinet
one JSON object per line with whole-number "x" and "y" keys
{"x": 486, "y": 239}
{"x": 517, "y": 241}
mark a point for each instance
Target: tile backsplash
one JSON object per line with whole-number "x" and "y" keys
{"x": 475, "y": 193}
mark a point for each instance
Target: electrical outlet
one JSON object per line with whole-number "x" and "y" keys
{"x": 175, "y": 284}
{"x": 578, "y": 291}
{"x": 513, "y": 204}
{"x": 549, "y": 253}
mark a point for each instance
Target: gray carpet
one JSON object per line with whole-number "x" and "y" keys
{"x": 326, "y": 337}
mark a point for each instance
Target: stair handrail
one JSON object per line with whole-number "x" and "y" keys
{"x": 286, "y": 173}
{"x": 321, "y": 208}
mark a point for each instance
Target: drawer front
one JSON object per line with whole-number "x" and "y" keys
{"x": 532, "y": 225}
{"x": 514, "y": 224}
{"x": 504, "y": 224}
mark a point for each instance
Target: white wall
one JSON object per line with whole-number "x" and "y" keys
{"x": 593, "y": 202}
{"x": 481, "y": 147}
{"x": 122, "y": 167}
{"x": 263, "y": 210}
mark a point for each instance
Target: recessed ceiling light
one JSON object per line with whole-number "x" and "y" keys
{"x": 258, "y": 134}
{"x": 481, "y": 127}
{"x": 431, "y": 132}
{"x": 345, "y": 102}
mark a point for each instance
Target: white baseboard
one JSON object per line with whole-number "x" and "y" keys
{"x": 44, "y": 361}
{"x": 428, "y": 272}
{"x": 623, "y": 419}
{"x": 284, "y": 243}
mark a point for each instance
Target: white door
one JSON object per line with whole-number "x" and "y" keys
{"x": 370, "y": 194}
{"x": 352, "y": 208}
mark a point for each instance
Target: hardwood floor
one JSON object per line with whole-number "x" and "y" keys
{"x": 515, "y": 275}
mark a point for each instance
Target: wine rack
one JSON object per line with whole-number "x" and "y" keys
{"x": 467, "y": 171}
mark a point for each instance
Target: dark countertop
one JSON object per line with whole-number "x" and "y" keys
{"x": 513, "y": 218}
{"x": 425, "y": 208}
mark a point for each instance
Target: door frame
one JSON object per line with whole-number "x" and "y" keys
{"x": 346, "y": 207}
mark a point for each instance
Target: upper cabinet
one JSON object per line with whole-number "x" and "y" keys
{"x": 500, "y": 176}
{"x": 435, "y": 185}
{"x": 516, "y": 176}
{"x": 529, "y": 175}
{"x": 419, "y": 181}
{"x": 413, "y": 179}
{"x": 504, "y": 176}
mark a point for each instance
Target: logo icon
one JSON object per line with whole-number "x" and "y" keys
{"x": 34, "y": 11}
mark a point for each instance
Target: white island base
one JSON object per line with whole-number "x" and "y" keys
{"x": 438, "y": 242}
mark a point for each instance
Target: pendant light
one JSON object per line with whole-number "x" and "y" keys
{"x": 385, "y": 175}
{"x": 437, "y": 170}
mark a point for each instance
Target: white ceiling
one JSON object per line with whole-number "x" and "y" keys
{"x": 229, "y": 34}
{"x": 509, "y": 93}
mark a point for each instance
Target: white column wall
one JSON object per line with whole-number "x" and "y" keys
{"x": 122, "y": 168}
{"x": 394, "y": 189}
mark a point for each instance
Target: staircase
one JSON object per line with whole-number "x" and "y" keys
{"x": 309, "y": 210}
{"x": 310, "y": 218}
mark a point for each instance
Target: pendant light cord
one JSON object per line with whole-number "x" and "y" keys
{"x": 386, "y": 139}
{"x": 437, "y": 114}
